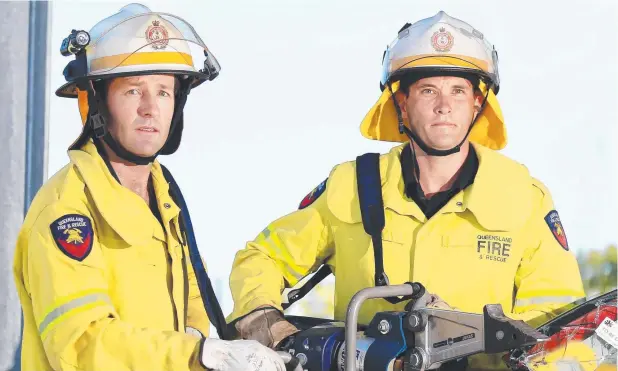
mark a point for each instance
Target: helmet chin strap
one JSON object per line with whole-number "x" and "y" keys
{"x": 422, "y": 145}
{"x": 125, "y": 154}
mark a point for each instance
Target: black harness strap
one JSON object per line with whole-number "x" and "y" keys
{"x": 372, "y": 212}
{"x": 297, "y": 294}
{"x": 213, "y": 309}
{"x": 372, "y": 208}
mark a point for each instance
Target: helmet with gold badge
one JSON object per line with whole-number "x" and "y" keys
{"x": 439, "y": 45}
{"x": 134, "y": 41}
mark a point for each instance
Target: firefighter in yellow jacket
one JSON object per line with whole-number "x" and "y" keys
{"x": 473, "y": 226}
{"x": 102, "y": 266}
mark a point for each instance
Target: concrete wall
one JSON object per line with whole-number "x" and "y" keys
{"x": 23, "y": 69}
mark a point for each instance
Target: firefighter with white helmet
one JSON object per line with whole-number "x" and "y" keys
{"x": 473, "y": 226}
{"x": 104, "y": 265}
{"x": 135, "y": 42}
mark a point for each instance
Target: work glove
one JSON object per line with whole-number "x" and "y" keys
{"x": 428, "y": 300}
{"x": 265, "y": 325}
{"x": 434, "y": 301}
{"x": 239, "y": 355}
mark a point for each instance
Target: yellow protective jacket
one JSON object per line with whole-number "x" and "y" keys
{"x": 102, "y": 285}
{"x": 492, "y": 243}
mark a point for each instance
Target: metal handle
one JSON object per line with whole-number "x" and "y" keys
{"x": 351, "y": 319}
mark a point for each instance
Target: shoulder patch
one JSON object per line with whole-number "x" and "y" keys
{"x": 73, "y": 235}
{"x": 555, "y": 226}
{"x": 313, "y": 195}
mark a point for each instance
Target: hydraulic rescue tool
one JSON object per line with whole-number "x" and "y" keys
{"x": 418, "y": 339}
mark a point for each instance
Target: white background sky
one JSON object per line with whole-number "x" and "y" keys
{"x": 298, "y": 77}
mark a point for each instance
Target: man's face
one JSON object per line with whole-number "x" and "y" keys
{"x": 141, "y": 109}
{"x": 440, "y": 109}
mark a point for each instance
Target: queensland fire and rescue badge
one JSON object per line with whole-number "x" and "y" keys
{"x": 555, "y": 226}
{"x": 73, "y": 235}
{"x": 442, "y": 40}
{"x": 157, "y": 35}
{"x": 313, "y": 195}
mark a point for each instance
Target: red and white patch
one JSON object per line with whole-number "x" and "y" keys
{"x": 313, "y": 195}
{"x": 73, "y": 235}
{"x": 555, "y": 226}
{"x": 157, "y": 35}
{"x": 442, "y": 40}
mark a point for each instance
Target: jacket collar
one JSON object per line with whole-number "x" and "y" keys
{"x": 499, "y": 198}
{"x": 122, "y": 209}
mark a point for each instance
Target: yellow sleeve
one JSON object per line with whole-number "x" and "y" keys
{"x": 78, "y": 324}
{"x": 197, "y": 317}
{"x": 548, "y": 277}
{"x": 282, "y": 254}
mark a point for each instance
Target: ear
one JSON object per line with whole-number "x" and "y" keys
{"x": 401, "y": 102}
{"x": 478, "y": 102}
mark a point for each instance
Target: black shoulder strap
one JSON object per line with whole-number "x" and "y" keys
{"x": 213, "y": 309}
{"x": 372, "y": 212}
{"x": 297, "y": 294}
{"x": 372, "y": 207}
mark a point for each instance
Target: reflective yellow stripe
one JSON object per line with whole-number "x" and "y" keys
{"x": 545, "y": 300}
{"x": 132, "y": 59}
{"x": 75, "y": 305}
{"x": 441, "y": 60}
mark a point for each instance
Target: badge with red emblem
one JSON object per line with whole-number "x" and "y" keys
{"x": 157, "y": 35}
{"x": 313, "y": 195}
{"x": 73, "y": 235}
{"x": 442, "y": 40}
{"x": 555, "y": 226}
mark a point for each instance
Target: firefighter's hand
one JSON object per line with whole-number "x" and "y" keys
{"x": 434, "y": 301}
{"x": 239, "y": 355}
{"x": 428, "y": 300}
{"x": 265, "y": 325}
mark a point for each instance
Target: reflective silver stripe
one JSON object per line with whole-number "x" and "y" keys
{"x": 545, "y": 300}
{"x": 277, "y": 250}
{"x": 266, "y": 233}
{"x": 65, "y": 308}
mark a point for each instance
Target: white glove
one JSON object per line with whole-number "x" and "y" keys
{"x": 239, "y": 355}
